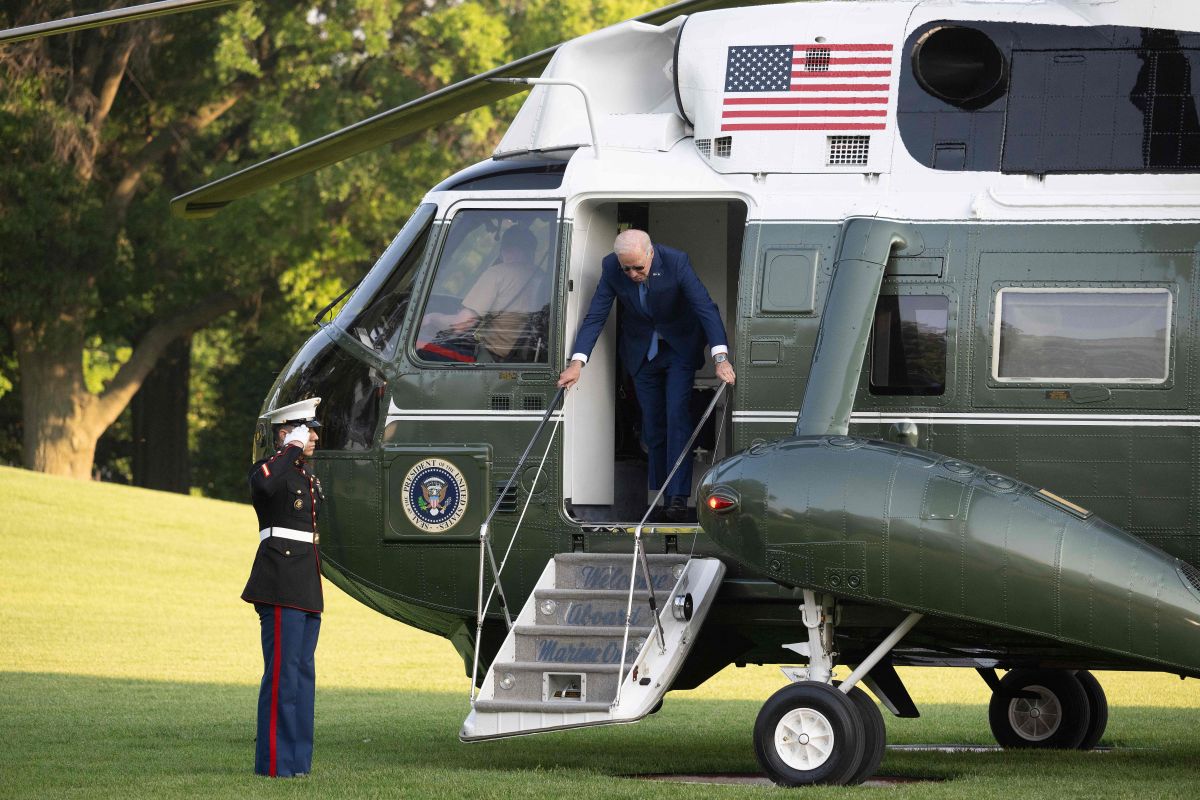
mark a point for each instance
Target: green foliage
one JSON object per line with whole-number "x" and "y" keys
{"x": 205, "y": 94}
{"x": 545, "y": 23}
{"x": 233, "y": 366}
{"x": 234, "y": 56}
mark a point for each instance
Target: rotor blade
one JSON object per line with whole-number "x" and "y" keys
{"x": 388, "y": 126}
{"x": 102, "y": 18}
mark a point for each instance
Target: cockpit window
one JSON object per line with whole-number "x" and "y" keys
{"x": 374, "y": 313}
{"x": 490, "y": 301}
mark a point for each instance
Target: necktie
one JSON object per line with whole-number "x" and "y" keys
{"x": 643, "y": 291}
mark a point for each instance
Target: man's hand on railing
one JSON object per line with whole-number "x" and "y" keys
{"x": 570, "y": 376}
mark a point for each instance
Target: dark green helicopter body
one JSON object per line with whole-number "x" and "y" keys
{"x": 955, "y": 247}
{"x": 1008, "y": 575}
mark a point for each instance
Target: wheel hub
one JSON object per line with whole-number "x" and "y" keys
{"x": 804, "y": 739}
{"x": 1035, "y": 719}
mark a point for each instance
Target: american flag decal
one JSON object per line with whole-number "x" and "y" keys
{"x": 807, "y": 87}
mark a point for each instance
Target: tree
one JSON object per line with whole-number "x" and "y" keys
{"x": 104, "y": 126}
{"x": 69, "y": 189}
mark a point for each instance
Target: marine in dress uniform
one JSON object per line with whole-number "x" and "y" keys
{"x": 285, "y": 588}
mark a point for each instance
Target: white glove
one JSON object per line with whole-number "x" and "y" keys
{"x": 298, "y": 436}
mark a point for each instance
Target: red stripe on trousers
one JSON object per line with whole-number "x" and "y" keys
{"x": 273, "y": 769}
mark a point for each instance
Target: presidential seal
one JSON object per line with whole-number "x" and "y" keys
{"x": 434, "y": 495}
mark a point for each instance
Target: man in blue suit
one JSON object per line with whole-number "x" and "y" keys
{"x": 668, "y": 318}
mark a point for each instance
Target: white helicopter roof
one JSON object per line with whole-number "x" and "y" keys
{"x": 735, "y": 65}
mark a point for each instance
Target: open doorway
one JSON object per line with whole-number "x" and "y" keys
{"x": 605, "y": 459}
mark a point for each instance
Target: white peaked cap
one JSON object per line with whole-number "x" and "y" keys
{"x": 304, "y": 412}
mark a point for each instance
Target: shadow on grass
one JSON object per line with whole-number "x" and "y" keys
{"x": 95, "y": 737}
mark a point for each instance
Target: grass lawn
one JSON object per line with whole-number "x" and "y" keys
{"x": 130, "y": 669}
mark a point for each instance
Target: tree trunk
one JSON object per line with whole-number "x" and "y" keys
{"x": 160, "y": 422}
{"x": 63, "y": 420}
{"x": 59, "y": 438}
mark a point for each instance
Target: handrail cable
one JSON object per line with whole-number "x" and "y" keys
{"x": 716, "y": 449}
{"x": 486, "y": 554}
{"x": 639, "y": 552}
{"x": 528, "y": 500}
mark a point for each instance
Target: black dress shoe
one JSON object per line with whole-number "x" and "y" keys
{"x": 677, "y": 509}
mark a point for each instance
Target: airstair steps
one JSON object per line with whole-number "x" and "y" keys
{"x": 572, "y": 644}
{"x": 590, "y": 594}
{"x": 560, "y": 665}
{"x": 568, "y": 686}
{"x": 603, "y": 607}
{"x": 501, "y": 706}
{"x": 541, "y": 665}
{"x": 598, "y": 631}
{"x": 610, "y": 571}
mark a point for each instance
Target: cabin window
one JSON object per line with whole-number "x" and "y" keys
{"x": 1080, "y": 335}
{"x": 909, "y": 345}
{"x": 374, "y": 313}
{"x": 490, "y": 301}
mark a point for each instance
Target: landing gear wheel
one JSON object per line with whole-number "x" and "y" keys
{"x": 1098, "y": 705}
{"x": 1056, "y": 719}
{"x": 808, "y": 733}
{"x": 875, "y": 735}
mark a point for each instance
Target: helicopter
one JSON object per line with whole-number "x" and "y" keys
{"x": 955, "y": 246}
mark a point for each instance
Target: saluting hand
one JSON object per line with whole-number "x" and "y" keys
{"x": 298, "y": 436}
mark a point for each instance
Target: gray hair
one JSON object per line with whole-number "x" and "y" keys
{"x": 631, "y": 242}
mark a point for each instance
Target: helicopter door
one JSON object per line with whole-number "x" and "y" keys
{"x": 476, "y": 369}
{"x": 604, "y": 475}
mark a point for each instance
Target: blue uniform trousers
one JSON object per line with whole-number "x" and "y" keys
{"x": 286, "y": 697}
{"x": 664, "y": 391}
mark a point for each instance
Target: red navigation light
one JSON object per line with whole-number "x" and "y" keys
{"x": 719, "y": 502}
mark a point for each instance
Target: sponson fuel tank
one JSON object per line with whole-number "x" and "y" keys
{"x": 893, "y": 524}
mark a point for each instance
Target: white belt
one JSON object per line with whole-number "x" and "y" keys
{"x": 286, "y": 533}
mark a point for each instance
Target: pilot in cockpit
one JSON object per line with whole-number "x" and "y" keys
{"x": 502, "y": 317}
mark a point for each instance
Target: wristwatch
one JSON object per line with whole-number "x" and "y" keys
{"x": 720, "y": 358}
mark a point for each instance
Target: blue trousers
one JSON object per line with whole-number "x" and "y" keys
{"x": 286, "y": 697}
{"x": 664, "y": 391}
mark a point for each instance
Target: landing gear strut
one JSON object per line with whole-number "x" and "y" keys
{"x": 1051, "y": 709}
{"x": 817, "y": 731}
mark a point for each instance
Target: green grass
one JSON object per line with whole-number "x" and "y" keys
{"x": 130, "y": 667}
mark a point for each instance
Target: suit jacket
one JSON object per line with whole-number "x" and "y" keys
{"x": 681, "y": 310}
{"x": 286, "y": 572}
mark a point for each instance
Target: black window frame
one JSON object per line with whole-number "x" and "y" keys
{"x": 434, "y": 262}
{"x": 419, "y": 225}
{"x": 910, "y": 389}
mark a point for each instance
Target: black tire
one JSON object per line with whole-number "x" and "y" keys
{"x": 821, "y": 730}
{"x": 875, "y": 735}
{"x": 1056, "y": 720}
{"x": 1098, "y": 705}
